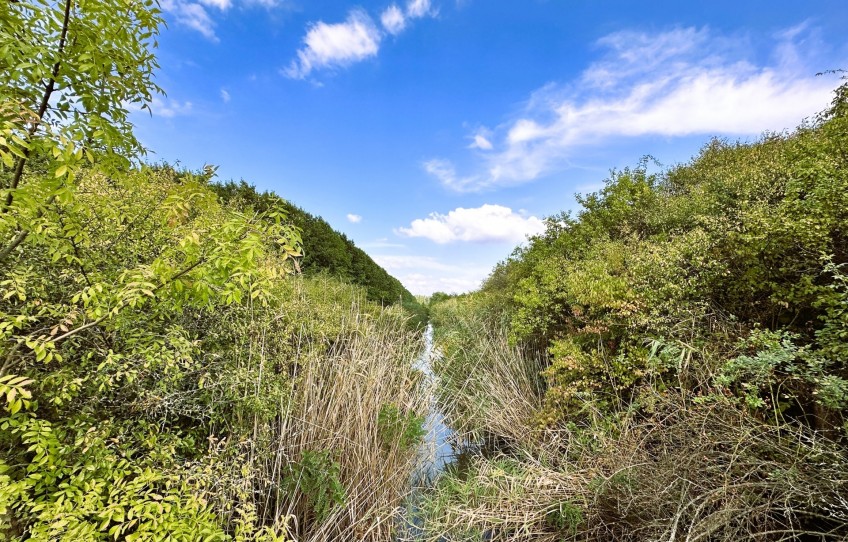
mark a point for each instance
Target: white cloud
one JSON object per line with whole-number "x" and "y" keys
{"x": 525, "y": 130}
{"x": 165, "y": 107}
{"x": 223, "y": 5}
{"x": 419, "y": 8}
{"x": 481, "y": 142}
{"x": 679, "y": 83}
{"x": 267, "y": 4}
{"x": 427, "y": 284}
{"x": 446, "y": 173}
{"x": 355, "y": 219}
{"x": 336, "y": 45}
{"x": 225, "y": 96}
{"x": 191, "y": 15}
{"x": 358, "y": 38}
{"x": 393, "y": 20}
{"x": 382, "y": 242}
{"x": 484, "y": 224}
{"x": 424, "y": 275}
{"x": 405, "y": 263}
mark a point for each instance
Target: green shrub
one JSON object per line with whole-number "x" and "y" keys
{"x": 566, "y": 517}
{"x": 399, "y": 429}
{"x": 317, "y": 477}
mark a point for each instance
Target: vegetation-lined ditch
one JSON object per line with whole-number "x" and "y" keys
{"x": 437, "y": 446}
{"x": 186, "y": 360}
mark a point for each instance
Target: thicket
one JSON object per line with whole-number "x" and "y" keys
{"x": 669, "y": 364}
{"x": 327, "y": 251}
{"x": 165, "y": 374}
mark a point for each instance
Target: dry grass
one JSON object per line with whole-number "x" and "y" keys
{"x": 337, "y": 405}
{"x": 332, "y": 408}
{"x": 689, "y": 473}
{"x": 489, "y": 388}
{"x": 684, "y": 470}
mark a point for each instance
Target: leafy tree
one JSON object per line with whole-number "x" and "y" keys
{"x": 72, "y": 69}
{"x": 105, "y": 314}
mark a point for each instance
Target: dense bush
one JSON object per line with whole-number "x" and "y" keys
{"x": 710, "y": 256}
{"x": 691, "y": 328}
{"x": 160, "y": 371}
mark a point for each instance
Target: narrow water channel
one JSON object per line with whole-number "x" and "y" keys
{"x": 435, "y": 452}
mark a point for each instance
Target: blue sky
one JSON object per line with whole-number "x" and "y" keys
{"x": 438, "y": 133}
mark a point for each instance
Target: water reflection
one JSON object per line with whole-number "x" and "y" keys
{"x": 436, "y": 451}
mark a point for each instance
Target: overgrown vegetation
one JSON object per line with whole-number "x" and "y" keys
{"x": 670, "y": 364}
{"x": 398, "y": 428}
{"x": 165, "y": 372}
{"x": 328, "y": 251}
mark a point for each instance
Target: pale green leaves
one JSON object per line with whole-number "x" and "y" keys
{"x": 98, "y": 57}
{"x": 14, "y": 390}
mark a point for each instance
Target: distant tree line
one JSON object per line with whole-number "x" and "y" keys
{"x": 326, "y": 250}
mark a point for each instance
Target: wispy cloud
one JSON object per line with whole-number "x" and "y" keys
{"x": 415, "y": 9}
{"x": 479, "y": 141}
{"x": 484, "y": 224}
{"x": 225, "y": 95}
{"x": 223, "y": 5}
{"x": 405, "y": 263}
{"x": 195, "y": 14}
{"x": 382, "y": 242}
{"x": 445, "y": 172}
{"x": 336, "y": 45}
{"x": 356, "y": 39}
{"x": 354, "y": 219}
{"x": 683, "y": 82}
{"x": 165, "y": 107}
{"x": 192, "y": 15}
{"x": 393, "y": 20}
{"x": 424, "y": 275}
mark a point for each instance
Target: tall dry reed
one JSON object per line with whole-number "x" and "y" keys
{"x": 325, "y": 467}
{"x": 683, "y": 470}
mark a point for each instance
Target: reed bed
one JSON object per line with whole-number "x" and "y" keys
{"x": 684, "y": 470}
{"x": 328, "y": 465}
{"x": 486, "y": 386}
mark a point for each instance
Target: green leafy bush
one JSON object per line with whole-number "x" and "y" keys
{"x": 399, "y": 428}
{"x": 566, "y": 517}
{"x": 316, "y": 476}
{"x": 690, "y": 329}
